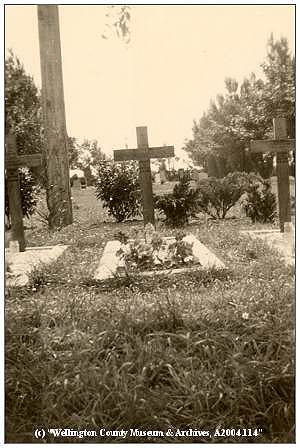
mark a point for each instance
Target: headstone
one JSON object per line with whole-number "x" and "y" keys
{"x": 76, "y": 183}
{"x": 163, "y": 172}
{"x": 13, "y": 162}
{"x": 281, "y": 146}
{"x": 180, "y": 173}
{"x": 143, "y": 154}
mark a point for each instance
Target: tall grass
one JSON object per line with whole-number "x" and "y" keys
{"x": 184, "y": 352}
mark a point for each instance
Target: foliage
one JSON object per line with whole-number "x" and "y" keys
{"x": 217, "y": 196}
{"x": 279, "y": 70}
{"x": 117, "y": 186}
{"x": 151, "y": 251}
{"x": 222, "y": 135}
{"x": 118, "y": 19}
{"x": 180, "y": 205}
{"x": 28, "y": 192}
{"x": 260, "y": 203}
{"x": 87, "y": 156}
{"x": 22, "y": 107}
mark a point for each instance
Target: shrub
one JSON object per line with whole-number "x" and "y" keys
{"x": 218, "y": 196}
{"x": 260, "y": 203}
{"x": 28, "y": 191}
{"x": 117, "y": 185}
{"x": 180, "y": 205}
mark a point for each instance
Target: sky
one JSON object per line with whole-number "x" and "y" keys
{"x": 176, "y": 62}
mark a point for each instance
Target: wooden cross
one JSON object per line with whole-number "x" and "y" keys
{"x": 281, "y": 146}
{"x": 13, "y": 162}
{"x": 143, "y": 154}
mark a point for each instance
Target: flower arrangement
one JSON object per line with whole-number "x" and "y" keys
{"x": 150, "y": 251}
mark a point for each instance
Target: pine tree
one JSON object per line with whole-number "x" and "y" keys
{"x": 224, "y": 131}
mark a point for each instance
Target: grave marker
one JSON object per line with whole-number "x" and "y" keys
{"x": 163, "y": 172}
{"x": 143, "y": 154}
{"x": 13, "y": 162}
{"x": 181, "y": 173}
{"x": 281, "y": 146}
{"x": 76, "y": 183}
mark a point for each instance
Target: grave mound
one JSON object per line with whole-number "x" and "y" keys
{"x": 121, "y": 258}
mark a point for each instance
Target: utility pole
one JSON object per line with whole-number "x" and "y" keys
{"x": 54, "y": 120}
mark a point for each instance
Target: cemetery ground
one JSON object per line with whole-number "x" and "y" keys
{"x": 198, "y": 350}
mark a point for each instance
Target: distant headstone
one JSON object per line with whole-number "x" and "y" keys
{"x": 76, "y": 183}
{"x": 163, "y": 172}
{"x": 180, "y": 173}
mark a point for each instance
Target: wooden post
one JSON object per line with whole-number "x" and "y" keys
{"x": 14, "y": 196}
{"x": 282, "y": 171}
{"x": 58, "y": 183}
{"x": 145, "y": 176}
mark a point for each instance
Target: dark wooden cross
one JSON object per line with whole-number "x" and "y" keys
{"x": 143, "y": 154}
{"x": 281, "y": 146}
{"x": 13, "y": 162}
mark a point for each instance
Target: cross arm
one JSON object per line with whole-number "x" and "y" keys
{"x": 159, "y": 152}
{"x": 282, "y": 145}
{"x": 30, "y": 161}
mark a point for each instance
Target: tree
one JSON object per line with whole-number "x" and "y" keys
{"x": 222, "y": 135}
{"x": 279, "y": 70}
{"x": 22, "y": 107}
{"x": 216, "y": 135}
{"x": 89, "y": 156}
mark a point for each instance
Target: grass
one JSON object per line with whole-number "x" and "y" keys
{"x": 191, "y": 351}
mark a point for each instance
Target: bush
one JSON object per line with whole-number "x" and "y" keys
{"x": 180, "y": 205}
{"x": 28, "y": 191}
{"x": 117, "y": 185}
{"x": 218, "y": 196}
{"x": 260, "y": 203}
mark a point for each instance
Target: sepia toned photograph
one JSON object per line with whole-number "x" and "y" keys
{"x": 149, "y": 176}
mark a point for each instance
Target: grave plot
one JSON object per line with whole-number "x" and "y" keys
{"x": 171, "y": 256}
{"x": 284, "y": 243}
{"x": 20, "y": 264}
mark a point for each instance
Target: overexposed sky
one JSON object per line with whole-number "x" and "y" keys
{"x": 175, "y": 63}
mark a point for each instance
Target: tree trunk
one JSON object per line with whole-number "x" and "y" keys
{"x": 55, "y": 134}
